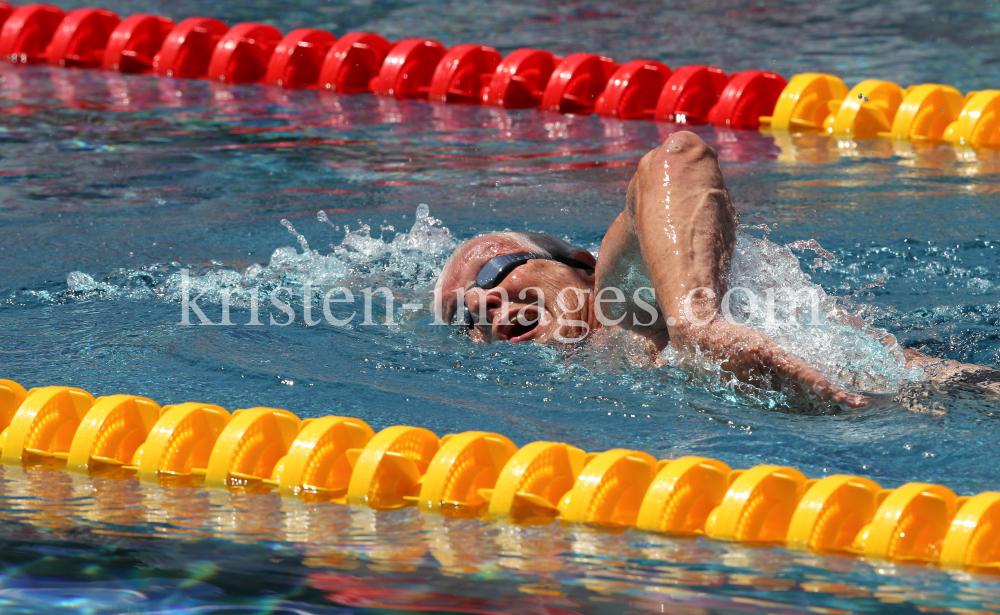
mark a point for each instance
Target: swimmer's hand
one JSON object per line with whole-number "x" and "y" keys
{"x": 756, "y": 358}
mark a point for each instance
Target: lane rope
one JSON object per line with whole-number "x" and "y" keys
{"x": 421, "y": 68}
{"x": 481, "y": 474}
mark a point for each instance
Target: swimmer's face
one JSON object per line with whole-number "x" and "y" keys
{"x": 541, "y": 300}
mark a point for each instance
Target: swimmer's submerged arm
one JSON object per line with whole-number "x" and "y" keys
{"x": 685, "y": 225}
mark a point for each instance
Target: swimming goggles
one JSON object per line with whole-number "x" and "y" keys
{"x": 499, "y": 267}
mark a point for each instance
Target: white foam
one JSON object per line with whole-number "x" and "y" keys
{"x": 409, "y": 263}
{"x": 842, "y": 346}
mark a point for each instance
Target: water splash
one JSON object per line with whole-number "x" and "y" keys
{"x": 803, "y": 318}
{"x": 408, "y": 265}
{"x": 811, "y": 324}
{"x": 771, "y": 294}
{"x": 826, "y": 257}
{"x": 302, "y": 240}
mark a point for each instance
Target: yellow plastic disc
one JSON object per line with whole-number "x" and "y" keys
{"x": 317, "y": 461}
{"x": 867, "y": 112}
{"x": 978, "y": 124}
{"x": 111, "y": 432}
{"x": 45, "y": 423}
{"x": 610, "y": 489}
{"x": 387, "y": 471}
{"x": 534, "y": 480}
{"x": 466, "y": 463}
{"x": 11, "y": 396}
{"x": 973, "y": 538}
{"x": 758, "y": 506}
{"x": 682, "y": 495}
{"x": 926, "y": 112}
{"x": 832, "y": 512}
{"x": 805, "y": 102}
{"x": 250, "y": 446}
{"x": 181, "y": 441}
{"x": 910, "y": 524}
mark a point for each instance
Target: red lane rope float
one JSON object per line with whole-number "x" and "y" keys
{"x": 633, "y": 90}
{"x": 577, "y": 82}
{"x": 462, "y": 74}
{"x": 353, "y": 62}
{"x": 81, "y": 38}
{"x": 422, "y": 68}
{"x": 519, "y": 80}
{"x": 242, "y": 54}
{"x": 188, "y": 48}
{"x": 298, "y": 58}
{"x": 134, "y": 43}
{"x": 748, "y": 96}
{"x": 689, "y": 94}
{"x": 27, "y": 32}
{"x": 408, "y": 69}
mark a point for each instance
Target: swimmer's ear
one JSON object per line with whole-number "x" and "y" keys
{"x": 584, "y": 257}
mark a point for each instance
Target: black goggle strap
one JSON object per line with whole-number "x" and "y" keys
{"x": 497, "y": 268}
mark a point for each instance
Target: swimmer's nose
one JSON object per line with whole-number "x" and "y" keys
{"x": 475, "y": 298}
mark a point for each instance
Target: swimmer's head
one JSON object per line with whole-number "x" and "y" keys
{"x": 542, "y": 291}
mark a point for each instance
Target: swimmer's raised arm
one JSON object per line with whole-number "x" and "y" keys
{"x": 680, "y": 222}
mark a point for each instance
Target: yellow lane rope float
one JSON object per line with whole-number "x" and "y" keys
{"x": 481, "y": 474}
{"x": 815, "y": 102}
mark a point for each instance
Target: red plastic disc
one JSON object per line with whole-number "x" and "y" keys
{"x": 408, "y": 68}
{"x": 5, "y": 11}
{"x": 188, "y": 48}
{"x": 632, "y": 90}
{"x": 81, "y": 38}
{"x": 519, "y": 81}
{"x": 298, "y": 58}
{"x": 242, "y": 55}
{"x": 689, "y": 94}
{"x": 134, "y": 43}
{"x": 746, "y": 97}
{"x": 461, "y": 73}
{"x": 577, "y": 82}
{"x": 27, "y": 32}
{"x": 352, "y": 62}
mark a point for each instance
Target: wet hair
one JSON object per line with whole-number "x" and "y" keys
{"x": 535, "y": 243}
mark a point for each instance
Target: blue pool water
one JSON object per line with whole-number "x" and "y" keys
{"x": 110, "y": 186}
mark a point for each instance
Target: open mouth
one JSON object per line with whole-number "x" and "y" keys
{"x": 513, "y": 329}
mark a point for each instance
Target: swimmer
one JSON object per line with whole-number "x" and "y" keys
{"x": 675, "y": 235}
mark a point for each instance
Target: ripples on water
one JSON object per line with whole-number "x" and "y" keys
{"x": 103, "y": 545}
{"x": 128, "y": 180}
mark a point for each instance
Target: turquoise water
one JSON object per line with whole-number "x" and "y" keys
{"x": 110, "y": 186}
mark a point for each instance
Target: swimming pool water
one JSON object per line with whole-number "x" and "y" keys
{"x": 129, "y": 180}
